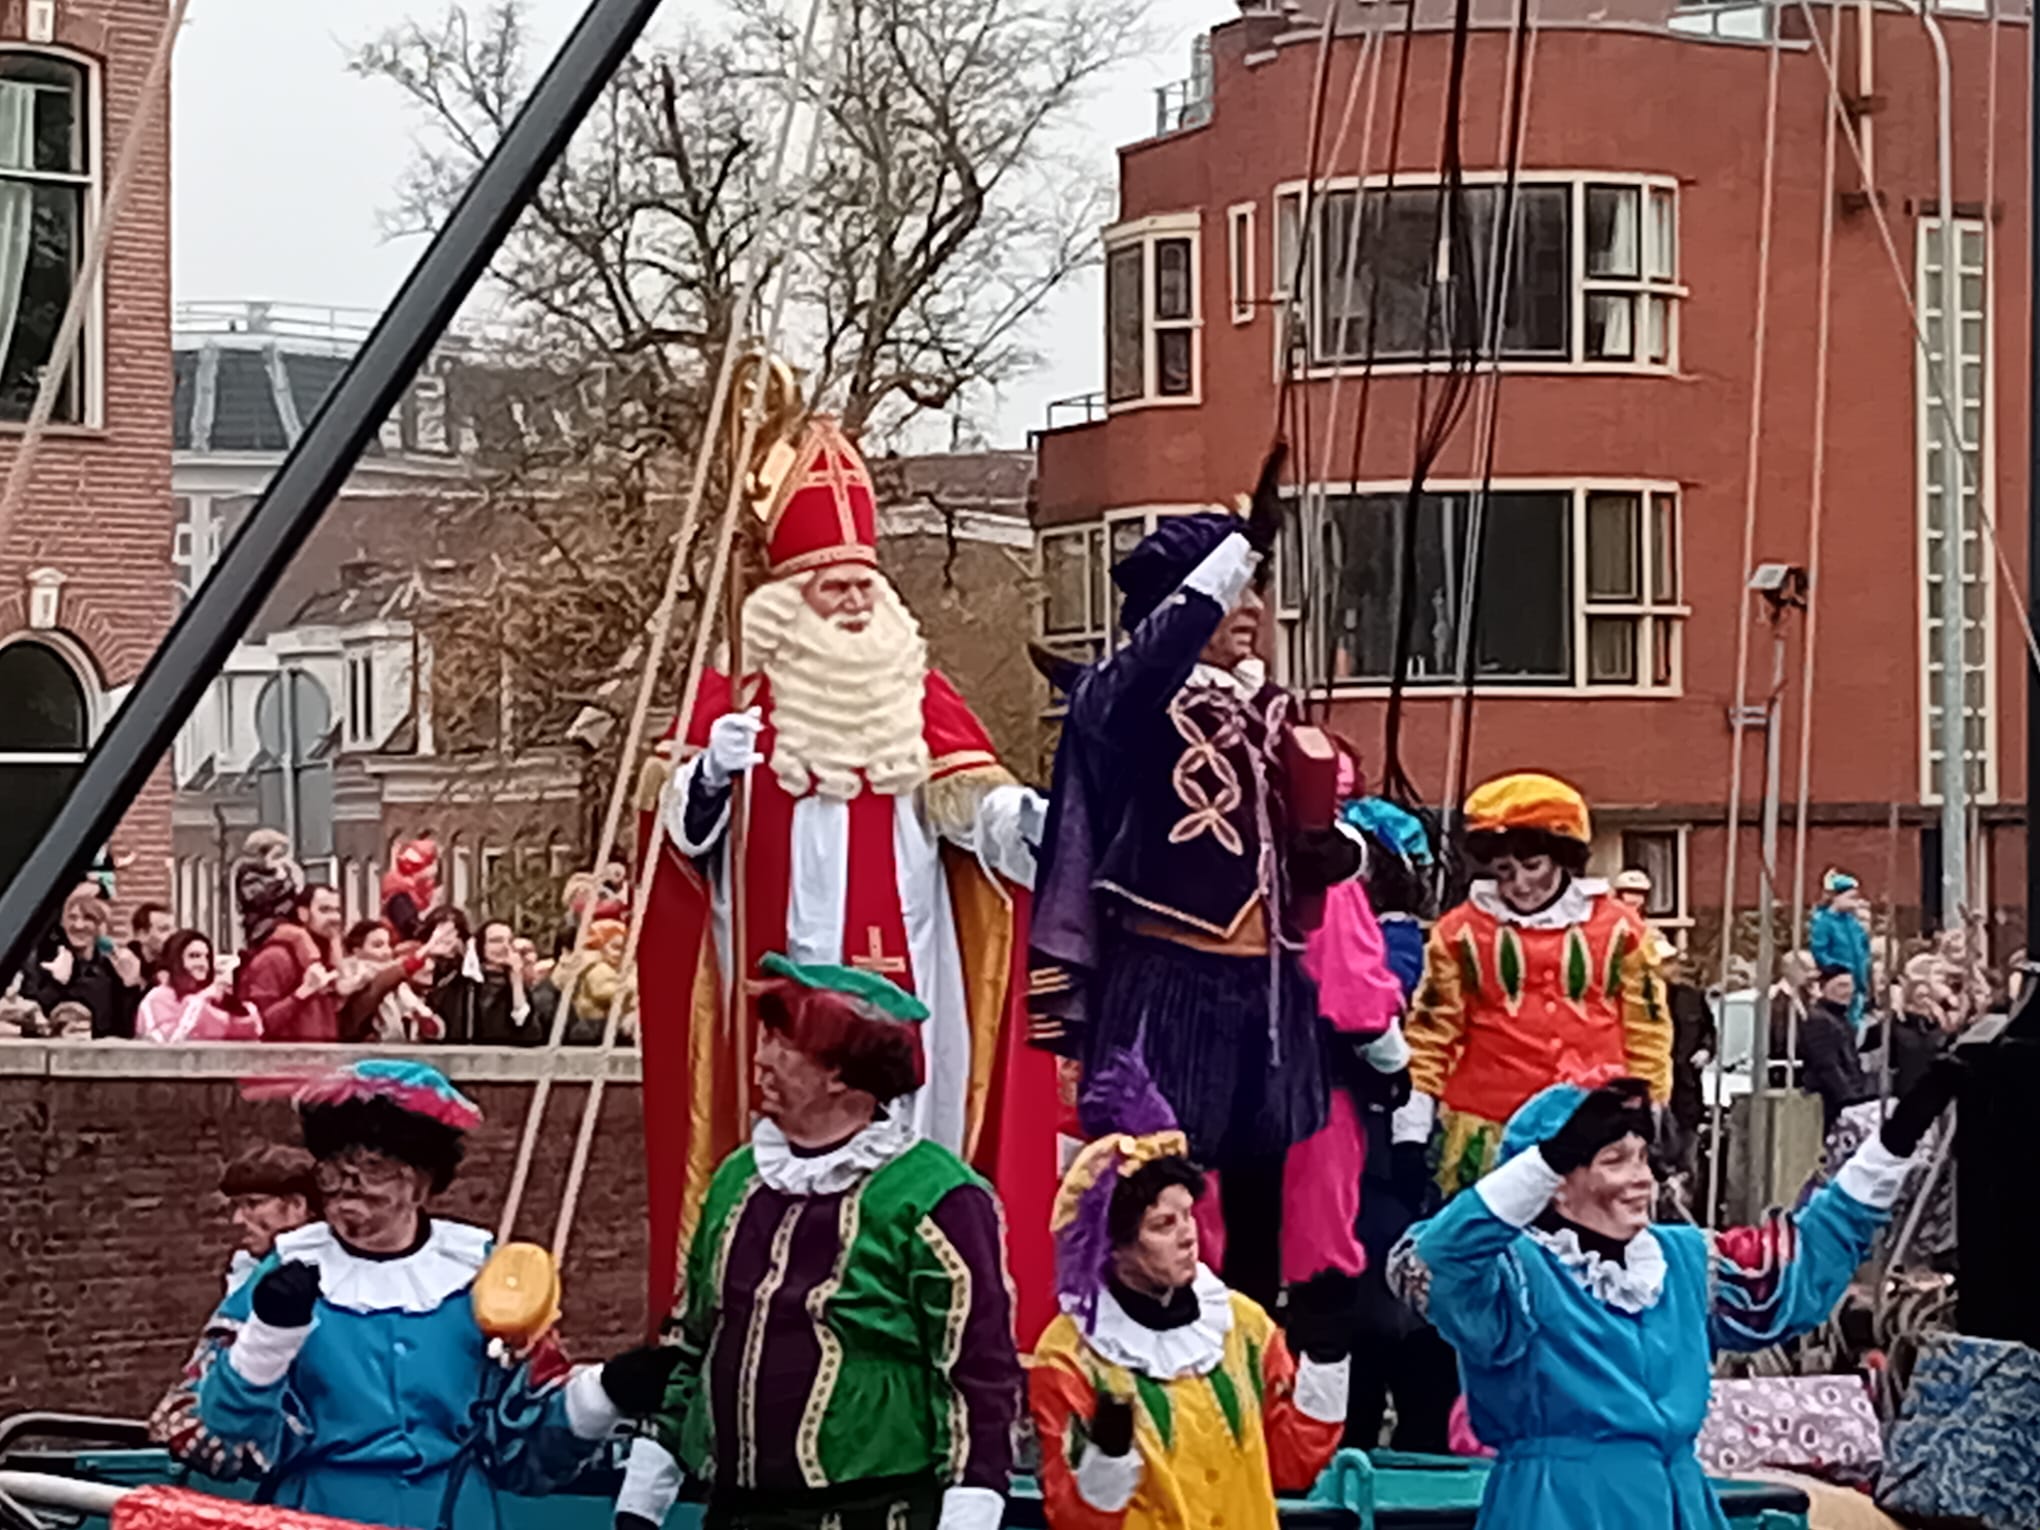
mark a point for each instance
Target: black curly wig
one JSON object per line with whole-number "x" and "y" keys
{"x": 1139, "y": 1190}
{"x": 376, "y": 1124}
{"x": 1483, "y": 845}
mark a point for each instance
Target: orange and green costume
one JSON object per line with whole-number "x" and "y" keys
{"x": 1511, "y": 1004}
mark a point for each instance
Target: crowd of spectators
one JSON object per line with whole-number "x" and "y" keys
{"x": 420, "y": 972}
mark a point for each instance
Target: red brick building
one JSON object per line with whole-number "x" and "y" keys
{"x": 85, "y": 587}
{"x": 1613, "y": 568}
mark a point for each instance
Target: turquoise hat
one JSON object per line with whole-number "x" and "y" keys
{"x": 1538, "y": 1119}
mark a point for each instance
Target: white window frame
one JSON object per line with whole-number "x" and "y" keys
{"x": 1674, "y": 290}
{"x": 1240, "y": 261}
{"x": 1983, "y": 454}
{"x": 91, "y": 348}
{"x": 1579, "y": 687}
{"x": 1680, "y": 919}
{"x": 1147, "y": 233}
{"x": 1101, "y": 633}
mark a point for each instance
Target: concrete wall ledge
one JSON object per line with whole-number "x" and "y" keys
{"x": 147, "y": 1060}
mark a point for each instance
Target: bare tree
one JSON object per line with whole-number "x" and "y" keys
{"x": 945, "y": 208}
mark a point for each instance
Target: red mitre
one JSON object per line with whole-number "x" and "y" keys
{"x": 824, "y": 510}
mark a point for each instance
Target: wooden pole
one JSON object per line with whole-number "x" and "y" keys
{"x": 739, "y": 975}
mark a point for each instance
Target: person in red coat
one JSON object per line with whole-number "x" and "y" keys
{"x": 291, "y": 976}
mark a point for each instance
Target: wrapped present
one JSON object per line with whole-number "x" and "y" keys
{"x": 1823, "y": 1426}
{"x": 1967, "y": 1442}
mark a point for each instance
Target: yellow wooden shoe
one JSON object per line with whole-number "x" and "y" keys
{"x": 517, "y": 1295}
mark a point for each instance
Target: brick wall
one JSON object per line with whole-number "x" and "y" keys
{"x": 113, "y": 1241}
{"x": 99, "y": 506}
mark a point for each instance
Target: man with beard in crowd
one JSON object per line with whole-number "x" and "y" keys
{"x": 879, "y": 832}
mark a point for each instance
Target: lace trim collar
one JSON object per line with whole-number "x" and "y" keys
{"x": 1632, "y": 1286}
{"x": 1573, "y": 906}
{"x": 1165, "y": 1354}
{"x": 1245, "y": 680}
{"x": 831, "y": 1173}
{"x": 446, "y": 1266}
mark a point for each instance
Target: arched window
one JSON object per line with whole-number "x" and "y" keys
{"x": 45, "y": 727}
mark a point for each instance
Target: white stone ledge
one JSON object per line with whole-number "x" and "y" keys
{"x": 147, "y": 1060}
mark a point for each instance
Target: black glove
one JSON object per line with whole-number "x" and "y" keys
{"x": 1323, "y": 1316}
{"x": 1614, "y": 1111}
{"x": 1921, "y": 1106}
{"x": 284, "y": 1298}
{"x": 636, "y": 1379}
{"x": 1409, "y": 1168}
{"x": 1264, "y": 512}
{"x": 1320, "y": 857}
{"x": 1112, "y": 1425}
{"x": 627, "y": 1521}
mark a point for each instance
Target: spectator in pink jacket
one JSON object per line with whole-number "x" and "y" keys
{"x": 193, "y": 1002}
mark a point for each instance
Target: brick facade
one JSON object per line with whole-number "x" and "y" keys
{"x": 1618, "y": 93}
{"x": 116, "y": 1241}
{"x": 99, "y": 509}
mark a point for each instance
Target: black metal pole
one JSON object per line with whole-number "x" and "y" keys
{"x": 202, "y": 637}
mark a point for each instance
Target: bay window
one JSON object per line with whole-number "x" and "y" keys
{"x": 1151, "y": 311}
{"x": 1578, "y": 586}
{"x": 1398, "y": 275}
{"x": 1079, "y": 603}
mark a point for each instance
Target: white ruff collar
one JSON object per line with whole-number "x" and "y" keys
{"x": 453, "y": 1255}
{"x": 830, "y": 1173}
{"x": 1632, "y": 1286}
{"x": 1573, "y": 906}
{"x": 1244, "y": 680}
{"x": 1166, "y": 1354}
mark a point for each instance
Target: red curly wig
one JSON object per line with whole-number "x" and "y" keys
{"x": 868, "y": 1050}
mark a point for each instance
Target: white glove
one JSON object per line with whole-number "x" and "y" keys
{"x": 732, "y": 747}
{"x": 1413, "y": 1119}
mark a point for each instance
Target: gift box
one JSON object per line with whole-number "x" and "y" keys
{"x": 1823, "y": 1426}
{"x": 1967, "y": 1442}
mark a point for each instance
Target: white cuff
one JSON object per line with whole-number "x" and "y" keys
{"x": 1226, "y": 571}
{"x": 1873, "y": 1175}
{"x": 1321, "y": 1388}
{"x": 590, "y": 1413}
{"x": 1108, "y": 1483}
{"x": 1520, "y": 1189}
{"x": 675, "y": 811}
{"x": 1413, "y": 1119}
{"x": 971, "y": 1508}
{"x": 1390, "y": 1053}
{"x": 651, "y": 1481}
{"x": 261, "y": 1355}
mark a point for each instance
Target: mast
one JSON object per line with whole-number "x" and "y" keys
{"x": 312, "y": 474}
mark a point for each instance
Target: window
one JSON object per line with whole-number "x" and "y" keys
{"x": 1660, "y": 854}
{"x": 360, "y": 699}
{"x": 1578, "y": 586}
{"x": 1979, "y": 729}
{"x": 1079, "y": 605}
{"x": 1632, "y": 587}
{"x": 1398, "y": 275}
{"x": 45, "y": 183}
{"x": 45, "y": 727}
{"x": 1151, "y": 311}
{"x": 1240, "y": 252}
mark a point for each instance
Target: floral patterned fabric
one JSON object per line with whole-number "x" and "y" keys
{"x": 1967, "y": 1445}
{"x": 1821, "y": 1425}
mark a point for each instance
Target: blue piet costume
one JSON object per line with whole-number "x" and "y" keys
{"x": 1163, "y": 919}
{"x": 387, "y": 1406}
{"x": 1589, "y": 1371}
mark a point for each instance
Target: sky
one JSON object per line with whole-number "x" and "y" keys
{"x": 282, "y": 161}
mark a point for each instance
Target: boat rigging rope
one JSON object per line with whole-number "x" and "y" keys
{"x": 1815, "y": 516}
{"x": 1510, "y": 138}
{"x": 1752, "y": 463}
{"x": 141, "y": 132}
{"x": 778, "y": 198}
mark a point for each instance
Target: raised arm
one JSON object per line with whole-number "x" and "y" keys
{"x": 1459, "y": 1269}
{"x": 958, "y": 1287}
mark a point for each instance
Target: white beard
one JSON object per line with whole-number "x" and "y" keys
{"x": 846, "y": 706}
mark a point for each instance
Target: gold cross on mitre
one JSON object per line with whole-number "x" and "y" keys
{"x": 873, "y": 957}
